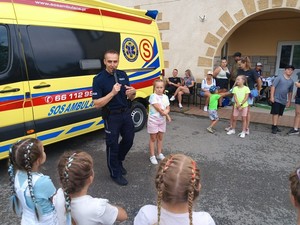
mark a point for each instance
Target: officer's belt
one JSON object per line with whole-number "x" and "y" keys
{"x": 118, "y": 111}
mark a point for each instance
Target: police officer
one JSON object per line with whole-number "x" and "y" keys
{"x": 112, "y": 92}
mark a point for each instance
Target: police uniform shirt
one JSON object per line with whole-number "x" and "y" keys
{"x": 103, "y": 84}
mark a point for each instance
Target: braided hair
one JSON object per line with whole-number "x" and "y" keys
{"x": 74, "y": 169}
{"x": 22, "y": 155}
{"x": 177, "y": 181}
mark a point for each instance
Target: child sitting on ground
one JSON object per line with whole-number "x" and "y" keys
{"x": 76, "y": 174}
{"x": 32, "y": 191}
{"x": 178, "y": 185}
{"x": 213, "y": 106}
{"x": 295, "y": 191}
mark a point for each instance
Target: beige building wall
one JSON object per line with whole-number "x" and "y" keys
{"x": 193, "y": 32}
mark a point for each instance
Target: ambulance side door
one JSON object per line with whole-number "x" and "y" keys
{"x": 15, "y": 108}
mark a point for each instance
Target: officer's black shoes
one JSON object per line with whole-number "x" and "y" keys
{"x": 120, "y": 180}
{"x": 123, "y": 170}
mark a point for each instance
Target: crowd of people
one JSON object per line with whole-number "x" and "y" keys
{"x": 35, "y": 198}
{"x": 223, "y": 82}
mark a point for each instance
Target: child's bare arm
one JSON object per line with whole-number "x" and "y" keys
{"x": 158, "y": 109}
{"x": 122, "y": 214}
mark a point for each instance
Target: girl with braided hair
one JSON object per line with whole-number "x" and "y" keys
{"x": 295, "y": 191}
{"x": 178, "y": 185}
{"x": 32, "y": 191}
{"x": 76, "y": 174}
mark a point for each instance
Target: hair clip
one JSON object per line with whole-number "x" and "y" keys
{"x": 298, "y": 173}
{"x": 193, "y": 171}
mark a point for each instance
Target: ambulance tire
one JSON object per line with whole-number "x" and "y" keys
{"x": 139, "y": 116}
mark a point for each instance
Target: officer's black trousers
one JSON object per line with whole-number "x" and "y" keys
{"x": 115, "y": 125}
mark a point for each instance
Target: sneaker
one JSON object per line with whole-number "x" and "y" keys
{"x": 247, "y": 131}
{"x": 160, "y": 156}
{"x": 180, "y": 105}
{"x": 228, "y": 128}
{"x": 293, "y": 131}
{"x": 153, "y": 160}
{"x": 242, "y": 135}
{"x": 120, "y": 180}
{"x": 205, "y": 109}
{"x": 210, "y": 130}
{"x": 172, "y": 98}
{"x": 232, "y": 131}
{"x": 278, "y": 130}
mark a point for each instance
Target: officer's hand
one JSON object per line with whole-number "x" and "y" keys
{"x": 116, "y": 88}
{"x": 130, "y": 91}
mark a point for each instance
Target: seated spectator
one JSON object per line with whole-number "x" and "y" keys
{"x": 258, "y": 69}
{"x": 221, "y": 74}
{"x": 186, "y": 88}
{"x": 177, "y": 184}
{"x": 207, "y": 82}
{"x": 172, "y": 83}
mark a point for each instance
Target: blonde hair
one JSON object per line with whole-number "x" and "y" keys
{"x": 177, "y": 181}
{"x": 294, "y": 179}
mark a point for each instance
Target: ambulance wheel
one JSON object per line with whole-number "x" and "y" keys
{"x": 139, "y": 116}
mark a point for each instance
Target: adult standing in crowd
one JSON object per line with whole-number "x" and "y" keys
{"x": 233, "y": 74}
{"x": 281, "y": 95}
{"x": 295, "y": 129}
{"x": 112, "y": 92}
{"x": 172, "y": 83}
{"x": 252, "y": 79}
{"x": 221, "y": 74}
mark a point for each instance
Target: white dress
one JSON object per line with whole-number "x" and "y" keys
{"x": 147, "y": 215}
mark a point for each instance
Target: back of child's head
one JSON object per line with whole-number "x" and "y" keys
{"x": 213, "y": 89}
{"x": 177, "y": 181}
{"x": 295, "y": 186}
{"x": 22, "y": 156}
{"x": 74, "y": 168}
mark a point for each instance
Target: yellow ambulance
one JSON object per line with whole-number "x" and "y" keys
{"x": 49, "y": 53}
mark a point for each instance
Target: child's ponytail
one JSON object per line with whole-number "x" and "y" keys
{"x": 14, "y": 201}
{"x": 28, "y": 167}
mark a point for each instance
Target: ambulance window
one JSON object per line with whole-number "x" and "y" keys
{"x": 3, "y": 49}
{"x": 58, "y": 51}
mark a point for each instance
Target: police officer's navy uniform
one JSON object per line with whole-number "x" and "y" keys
{"x": 118, "y": 121}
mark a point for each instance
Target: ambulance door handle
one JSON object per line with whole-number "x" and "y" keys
{"x": 41, "y": 86}
{"x": 10, "y": 90}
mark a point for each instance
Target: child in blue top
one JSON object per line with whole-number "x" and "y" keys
{"x": 32, "y": 191}
{"x": 213, "y": 106}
